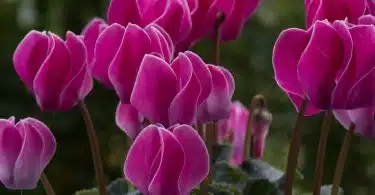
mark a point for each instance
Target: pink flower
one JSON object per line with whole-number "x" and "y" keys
{"x": 176, "y": 162}
{"x": 330, "y": 64}
{"x": 171, "y": 15}
{"x": 362, "y": 118}
{"x": 53, "y": 70}
{"x": 119, "y": 52}
{"x": 260, "y": 123}
{"x": 129, "y": 120}
{"x": 334, "y": 10}
{"x": 26, "y": 149}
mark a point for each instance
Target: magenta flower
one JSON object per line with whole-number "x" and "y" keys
{"x": 203, "y": 17}
{"x": 370, "y": 7}
{"x": 26, "y": 149}
{"x": 217, "y": 104}
{"x": 330, "y": 64}
{"x": 363, "y": 119}
{"x": 129, "y": 120}
{"x": 171, "y": 15}
{"x": 334, "y": 10}
{"x": 119, "y": 52}
{"x": 90, "y": 34}
{"x": 53, "y": 70}
{"x": 169, "y": 93}
{"x": 177, "y": 161}
{"x": 238, "y": 120}
{"x": 260, "y": 123}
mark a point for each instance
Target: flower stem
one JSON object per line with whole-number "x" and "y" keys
{"x": 341, "y": 160}
{"x": 47, "y": 185}
{"x": 210, "y": 142}
{"x": 321, "y": 152}
{"x": 220, "y": 17}
{"x": 205, "y": 184}
{"x": 95, "y": 150}
{"x": 294, "y": 150}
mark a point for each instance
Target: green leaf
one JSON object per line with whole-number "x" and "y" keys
{"x": 93, "y": 191}
{"x": 260, "y": 186}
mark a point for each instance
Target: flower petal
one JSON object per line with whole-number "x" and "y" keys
{"x": 320, "y": 63}
{"x": 128, "y": 120}
{"x": 106, "y": 49}
{"x": 230, "y": 80}
{"x": 165, "y": 180}
{"x": 160, "y": 42}
{"x": 183, "y": 108}
{"x": 123, "y": 12}
{"x": 297, "y": 102}
{"x": 30, "y": 55}
{"x": 141, "y": 156}
{"x": 90, "y": 34}
{"x": 49, "y": 81}
{"x": 154, "y": 89}
{"x": 239, "y": 126}
{"x": 203, "y": 73}
{"x": 125, "y": 65}
{"x": 286, "y": 54}
{"x": 196, "y": 164}
{"x": 363, "y": 118}
{"x": 367, "y": 19}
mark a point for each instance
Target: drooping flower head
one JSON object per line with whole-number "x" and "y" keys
{"x": 26, "y": 148}
{"x": 55, "y": 71}
{"x": 167, "y": 161}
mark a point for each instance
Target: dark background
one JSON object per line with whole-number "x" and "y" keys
{"x": 249, "y": 59}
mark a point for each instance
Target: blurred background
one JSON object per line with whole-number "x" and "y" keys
{"x": 249, "y": 59}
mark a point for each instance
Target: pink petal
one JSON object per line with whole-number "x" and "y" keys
{"x": 343, "y": 117}
{"x": 128, "y": 120}
{"x": 183, "y": 108}
{"x": 235, "y": 21}
{"x": 154, "y": 89}
{"x": 90, "y": 34}
{"x": 203, "y": 73}
{"x": 141, "y": 156}
{"x": 123, "y": 12}
{"x": 297, "y": 102}
{"x": 196, "y": 164}
{"x": 371, "y": 7}
{"x": 10, "y": 147}
{"x": 319, "y": 64}
{"x": 29, "y": 56}
{"x": 367, "y": 19}
{"x": 239, "y": 126}
{"x": 363, "y": 118}
{"x": 106, "y": 49}
{"x": 286, "y": 54}
{"x": 28, "y": 167}
{"x": 125, "y": 65}
{"x": 260, "y": 131}
{"x": 165, "y": 180}
{"x": 77, "y": 73}
{"x": 151, "y": 10}
{"x": 50, "y": 79}
{"x": 230, "y": 80}
{"x": 160, "y": 42}
{"x": 217, "y": 104}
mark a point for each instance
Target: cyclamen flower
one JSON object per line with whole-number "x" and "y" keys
{"x": 177, "y": 161}
{"x": 129, "y": 120}
{"x": 204, "y": 14}
{"x": 260, "y": 123}
{"x": 334, "y": 10}
{"x": 26, "y": 149}
{"x": 331, "y": 65}
{"x": 119, "y": 52}
{"x": 363, "y": 119}
{"x": 171, "y": 15}
{"x": 170, "y": 93}
{"x": 370, "y": 7}
{"x": 53, "y": 70}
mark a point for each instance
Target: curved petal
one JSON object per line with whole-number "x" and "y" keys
{"x": 196, "y": 164}
{"x": 49, "y": 141}
{"x": 297, "y": 102}
{"x": 367, "y": 19}
{"x": 203, "y": 73}
{"x": 90, "y": 34}
{"x": 151, "y": 10}
{"x": 239, "y": 126}
{"x": 77, "y": 73}
{"x": 287, "y": 52}
{"x": 50, "y": 79}
{"x": 105, "y": 51}
{"x": 320, "y": 63}
{"x": 10, "y": 147}
{"x": 128, "y": 120}
{"x": 343, "y": 117}
{"x": 217, "y": 105}
{"x": 230, "y": 80}
{"x": 184, "y": 106}
{"x": 30, "y": 55}
{"x": 28, "y": 167}
{"x": 154, "y": 89}
{"x": 363, "y": 118}
{"x": 141, "y": 156}
{"x": 371, "y": 7}
{"x": 160, "y": 43}
{"x": 123, "y": 12}
{"x": 125, "y": 65}
{"x": 165, "y": 180}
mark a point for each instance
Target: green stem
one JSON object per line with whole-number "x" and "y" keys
{"x": 220, "y": 17}
{"x": 95, "y": 149}
{"x": 341, "y": 160}
{"x": 47, "y": 185}
{"x": 294, "y": 150}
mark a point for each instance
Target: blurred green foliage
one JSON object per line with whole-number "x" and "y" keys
{"x": 249, "y": 59}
